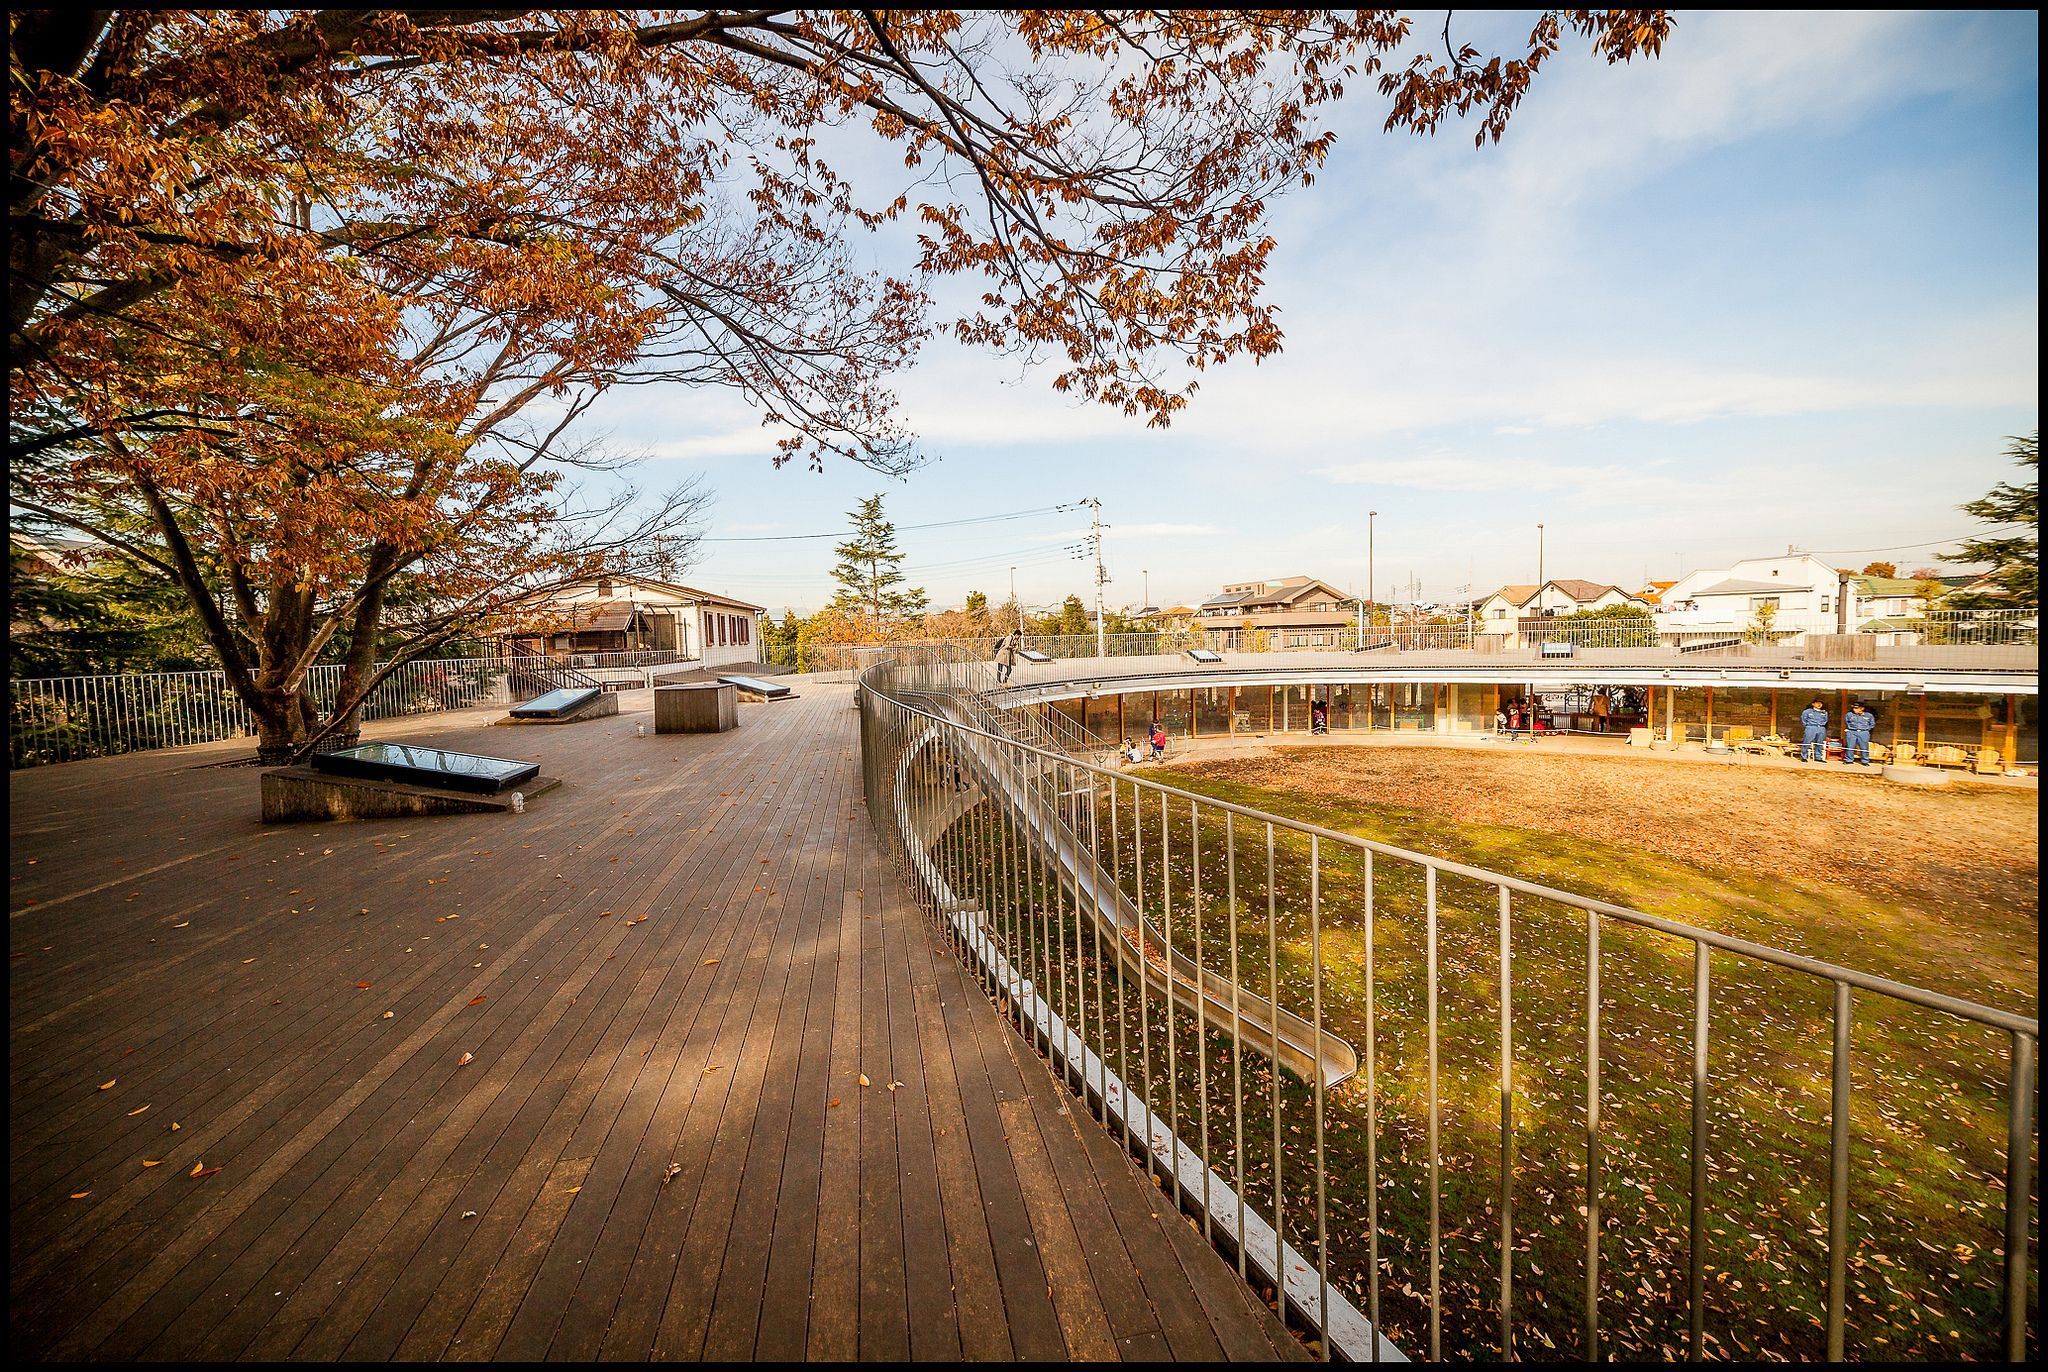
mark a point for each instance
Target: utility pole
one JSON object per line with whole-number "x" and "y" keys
{"x": 1016, "y": 602}
{"x": 1147, "y": 574}
{"x": 1539, "y": 568}
{"x": 1095, "y": 537}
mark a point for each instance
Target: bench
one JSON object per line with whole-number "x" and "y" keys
{"x": 758, "y": 689}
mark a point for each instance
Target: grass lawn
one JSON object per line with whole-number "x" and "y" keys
{"x": 1927, "y": 1110}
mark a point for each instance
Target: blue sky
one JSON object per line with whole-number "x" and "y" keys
{"x": 1778, "y": 287}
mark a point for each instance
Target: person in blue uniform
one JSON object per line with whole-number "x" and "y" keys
{"x": 1856, "y": 728}
{"x": 1813, "y": 743}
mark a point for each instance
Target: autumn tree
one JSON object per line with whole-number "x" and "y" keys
{"x": 306, "y": 307}
{"x": 1881, "y": 569}
{"x": 867, "y": 573}
{"x": 2013, "y": 548}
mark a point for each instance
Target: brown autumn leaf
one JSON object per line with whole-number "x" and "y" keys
{"x": 198, "y": 1169}
{"x": 108, "y": 1085}
{"x": 182, "y": 924}
{"x": 465, "y": 1059}
{"x": 152, "y": 1162}
{"x": 641, "y": 920}
{"x": 138, "y": 1110}
{"x": 479, "y": 1000}
{"x": 864, "y": 1080}
{"x": 708, "y": 962}
{"x": 362, "y": 986}
{"x": 80, "y": 1195}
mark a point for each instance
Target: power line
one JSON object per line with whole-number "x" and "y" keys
{"x": 1906, "y": 547}
{"x": 939, "y": 524}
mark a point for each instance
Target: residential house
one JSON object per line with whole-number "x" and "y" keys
{"x": 1797, "y": 593}
{"x": 1293, "y": 612}
{"x": 610, "y": 614}
{"x": 1504, "y": 610}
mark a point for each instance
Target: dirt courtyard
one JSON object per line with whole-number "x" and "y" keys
{"x": 1969, "y": 843}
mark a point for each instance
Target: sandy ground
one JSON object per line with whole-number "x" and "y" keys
{"x": 1964, "y": 842}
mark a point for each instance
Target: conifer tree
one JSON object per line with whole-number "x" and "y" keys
{"x": 868, "y": 572}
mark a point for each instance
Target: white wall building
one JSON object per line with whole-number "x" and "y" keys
{"x": 610, "y": 614}
{"x": 1802, "y": 591}
{"x": 1503, "y": 611}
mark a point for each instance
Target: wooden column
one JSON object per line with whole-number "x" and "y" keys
{"x": 1920, "y": 729}
{"x": 2012, "y": 730}
{"x": 1232, "y": 708}
{"x": 1710, "y": 714}
{"x": 1774, "y": 709}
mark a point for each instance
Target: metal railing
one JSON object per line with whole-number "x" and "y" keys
{"x": 2001, "y": 639}
{"x": 62, "y": 719}
{"x": 1571, "y": 1121}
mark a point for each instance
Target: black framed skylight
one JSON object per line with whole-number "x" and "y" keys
{"x": 426, "y": 767}
{"x": 1033, "y": 655}
{"x": 1205, "y": 656}
{"x": 563, "y": 701}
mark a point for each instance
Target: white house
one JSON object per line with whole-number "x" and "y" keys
{"x": 1802, "y": 594}
{"x": 1503, "y": 611}
{"x": 610, "y": 614}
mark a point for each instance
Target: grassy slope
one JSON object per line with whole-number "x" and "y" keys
{"x": 1927, "y": 1105}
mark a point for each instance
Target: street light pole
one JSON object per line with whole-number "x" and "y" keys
{"x": 1539, "y": 568}
{"x": 1370, "y": 600}
{"x": 1148, "y": 587}
{"x": 1016, "y": 602}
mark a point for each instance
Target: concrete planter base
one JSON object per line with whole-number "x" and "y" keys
{"x": 291, "y": 794}
{"x": 1915, "y": 776}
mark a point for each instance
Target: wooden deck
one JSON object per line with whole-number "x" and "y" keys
{"x": 578, "y": 1083}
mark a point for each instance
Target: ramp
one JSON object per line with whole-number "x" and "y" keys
{"x": 1142, "y": 949}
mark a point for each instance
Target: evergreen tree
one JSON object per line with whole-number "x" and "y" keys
{"x": 2014, "y": 556}
{"x": 1073, "y": 616}
{"x": 867, "y": 570}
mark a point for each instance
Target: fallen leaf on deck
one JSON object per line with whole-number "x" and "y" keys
{"x": 864, "y": 1080}
{"x": 641, "y": 920}
{"x": 152, "y": 1162}
{"x": 479, "y": 1000}
{"x": 674, "y": 1170}
{"x": 108, "y": 1085}
{"x": 138, "y": 1110}
{"x": 708, "y": 961}
{"x": 80, "y": 1195}
{"x": 247, "y": 961}
{"x": 362, "y": 986}
{"x": 465, "y": 1060}
{"x": 390, "y": 1015}
{"x": 186, "y": 924}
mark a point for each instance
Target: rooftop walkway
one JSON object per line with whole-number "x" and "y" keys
{"x": 580, "y": 1082}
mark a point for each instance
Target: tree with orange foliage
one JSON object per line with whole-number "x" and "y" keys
{"x": 304, "y": 305}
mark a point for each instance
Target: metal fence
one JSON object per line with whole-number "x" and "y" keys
{"x": 61, "y": 719}
{"x": 1995, "y": 639}
{"x": 1566, "y": 1122}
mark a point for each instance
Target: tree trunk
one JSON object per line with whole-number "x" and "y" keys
{"x": 284, "y": 721}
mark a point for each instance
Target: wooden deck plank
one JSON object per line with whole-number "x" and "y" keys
{"x": 379, "y": 1201}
